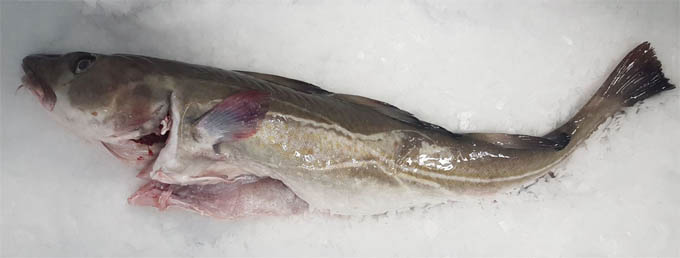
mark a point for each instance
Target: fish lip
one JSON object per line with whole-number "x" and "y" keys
{"x": 38, "y": 87}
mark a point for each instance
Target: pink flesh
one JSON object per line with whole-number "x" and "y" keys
{"x": 145, "y": 172}
{"x": 226, "y": 200}
{"x": 265, "y": 196}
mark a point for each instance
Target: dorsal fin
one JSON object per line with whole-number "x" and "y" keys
{"x": 289, "y": 83}
{"x": 392, "y": 111}
{"x": 519, "y": 141}
{"x": 382, "y": 107}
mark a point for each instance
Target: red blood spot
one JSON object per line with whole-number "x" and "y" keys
{"x": 140, "y": 158}
{"x": 150, "y": 152}
{"x": 151, "y": 139}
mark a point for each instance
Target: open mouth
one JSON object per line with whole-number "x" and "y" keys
{"x": 42, "y": 91}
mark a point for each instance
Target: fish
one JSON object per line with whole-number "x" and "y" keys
{"x": 232, "y": 144}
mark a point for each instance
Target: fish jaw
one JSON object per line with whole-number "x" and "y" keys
{"x": 44, "y": 94}
{"x": 227, "y": 200}
{"x": 36, "y": 83}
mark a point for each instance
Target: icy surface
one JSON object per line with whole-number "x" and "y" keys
{"x": 469, "y": 66}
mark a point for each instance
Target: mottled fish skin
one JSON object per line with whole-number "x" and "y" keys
{"x": 340, "y": 153}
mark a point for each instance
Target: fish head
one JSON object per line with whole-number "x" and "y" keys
{"x": 107, "y": 98}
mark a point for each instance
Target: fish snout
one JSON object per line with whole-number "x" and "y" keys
{"x": 33, "y": 65}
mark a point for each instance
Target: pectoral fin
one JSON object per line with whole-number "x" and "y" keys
{"x": 518, "y": 141}
{"x": 236, "y": 117}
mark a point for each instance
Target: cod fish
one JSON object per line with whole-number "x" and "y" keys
{"x": 231, "y": 144}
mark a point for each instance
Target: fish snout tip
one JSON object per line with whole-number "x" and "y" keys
{"x": 30, "y": 62}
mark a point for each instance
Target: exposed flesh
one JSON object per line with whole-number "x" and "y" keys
{"x": 242, "y": 198}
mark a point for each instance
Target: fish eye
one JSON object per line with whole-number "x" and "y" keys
{"x": 84, "y": 63}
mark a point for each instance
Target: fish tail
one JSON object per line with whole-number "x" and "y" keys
{"x": 637, "y": 77}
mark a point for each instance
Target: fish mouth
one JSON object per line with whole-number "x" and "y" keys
{"x": 38, "y": 87}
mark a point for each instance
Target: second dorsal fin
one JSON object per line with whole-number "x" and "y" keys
{"x": 289, "y": 83}
{"x": 392, "y": 111}
{"x": 381, "y": 107}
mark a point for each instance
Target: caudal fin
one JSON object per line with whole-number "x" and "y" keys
{"x": 637, "y": 77}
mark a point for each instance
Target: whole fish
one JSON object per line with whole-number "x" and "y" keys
{"x": 230, "y": 144}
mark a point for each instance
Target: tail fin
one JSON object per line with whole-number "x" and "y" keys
{"x": 637, "y": 77}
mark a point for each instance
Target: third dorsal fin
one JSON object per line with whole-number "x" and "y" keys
{"x": 519, "y": 141}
